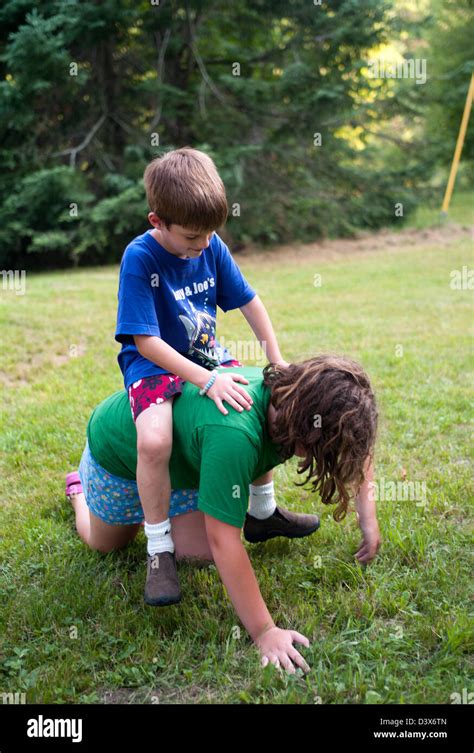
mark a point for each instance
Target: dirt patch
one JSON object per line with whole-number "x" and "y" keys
{"x": 190, "y": 694}
{"x": 25, "y": 371}
{"x": 364, "y": 242}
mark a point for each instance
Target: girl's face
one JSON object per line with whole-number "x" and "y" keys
{"x": 271, "y": 413}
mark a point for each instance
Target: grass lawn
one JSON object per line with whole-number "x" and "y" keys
{"x": 461, "y": 210}
{"x": 73, "y": 624}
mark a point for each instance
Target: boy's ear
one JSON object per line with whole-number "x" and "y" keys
{"x": 157, "y": 221}
{"x": 153, "y": 219}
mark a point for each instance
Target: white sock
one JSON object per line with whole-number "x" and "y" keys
{"x": 262, "y": 502}
{"x": 159, "y": 537}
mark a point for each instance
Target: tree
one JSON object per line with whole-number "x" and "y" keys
{"x": 452, "y": 62}
{"x": 276, "y": 91}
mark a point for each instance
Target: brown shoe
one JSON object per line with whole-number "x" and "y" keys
{"x": 293, "y": 525}
{"x": 162, "y": 584}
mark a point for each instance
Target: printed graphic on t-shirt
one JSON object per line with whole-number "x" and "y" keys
{"x": 201, "y": 332}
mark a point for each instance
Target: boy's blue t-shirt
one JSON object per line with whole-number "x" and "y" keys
{"x": 175, "y": 299}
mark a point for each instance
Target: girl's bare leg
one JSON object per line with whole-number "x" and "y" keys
{"x": 190, "y": 537}
{"x": 97, "y": 534}
{"x": 188, "y": 531}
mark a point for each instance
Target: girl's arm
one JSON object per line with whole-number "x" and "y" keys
{"x": 367, "y": 517}
{"x": 238, "y": 577}
{"x": 256, "y": 315}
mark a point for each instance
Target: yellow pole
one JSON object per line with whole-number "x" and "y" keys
{"x": 459, "y": 146}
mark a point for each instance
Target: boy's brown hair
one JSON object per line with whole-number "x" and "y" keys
{"x": 184, "y": 188}
{"x": 325, "y": 404}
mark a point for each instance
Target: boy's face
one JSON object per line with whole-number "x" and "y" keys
{"x": 178, "y": 240}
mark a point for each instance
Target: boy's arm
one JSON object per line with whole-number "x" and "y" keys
{"x": 224, "y": 388}
{"x": 256, "y": 315}
{"x": 158, "y": 351}
{"x": 367, "y": 517}
{"x": 238, "y": 577}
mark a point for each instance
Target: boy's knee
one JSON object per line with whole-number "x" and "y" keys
{"x": 153, "y": 447}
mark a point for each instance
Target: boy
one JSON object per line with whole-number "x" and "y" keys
{"x": 171, "y": 279}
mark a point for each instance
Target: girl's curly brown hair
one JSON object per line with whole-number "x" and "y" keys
{"x": 326, "y": 405}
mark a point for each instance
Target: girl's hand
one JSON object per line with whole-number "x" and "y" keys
{"x": 282, "y": 363}
{"x": 225, "y": 389}
{"x": 276, "y": 647}
{"x": 370, "y": 541}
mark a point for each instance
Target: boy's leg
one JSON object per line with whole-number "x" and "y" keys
{"x": 154, "y": 441}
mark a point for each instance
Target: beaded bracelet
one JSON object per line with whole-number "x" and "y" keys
{"x": 208, "y": 386}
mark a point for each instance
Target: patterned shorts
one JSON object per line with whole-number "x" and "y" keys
{"x": 156, "y": 389}
{"x": 116, "y": 501}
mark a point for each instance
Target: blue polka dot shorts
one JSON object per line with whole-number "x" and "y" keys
{"x": 116, "y": 501}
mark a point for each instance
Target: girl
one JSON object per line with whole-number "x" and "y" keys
{"x": 322, "y": 410}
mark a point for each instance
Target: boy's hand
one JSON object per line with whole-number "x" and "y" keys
{"x": 225, "y": 389}
{"x": 276, "y": 647}
{"x": 370, "y": 541}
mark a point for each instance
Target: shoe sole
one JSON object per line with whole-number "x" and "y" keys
{"x": 283, "y": 535}
{"x": 161, "y": 602}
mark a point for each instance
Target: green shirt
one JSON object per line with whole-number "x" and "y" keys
{"x": 219, "y": 455}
